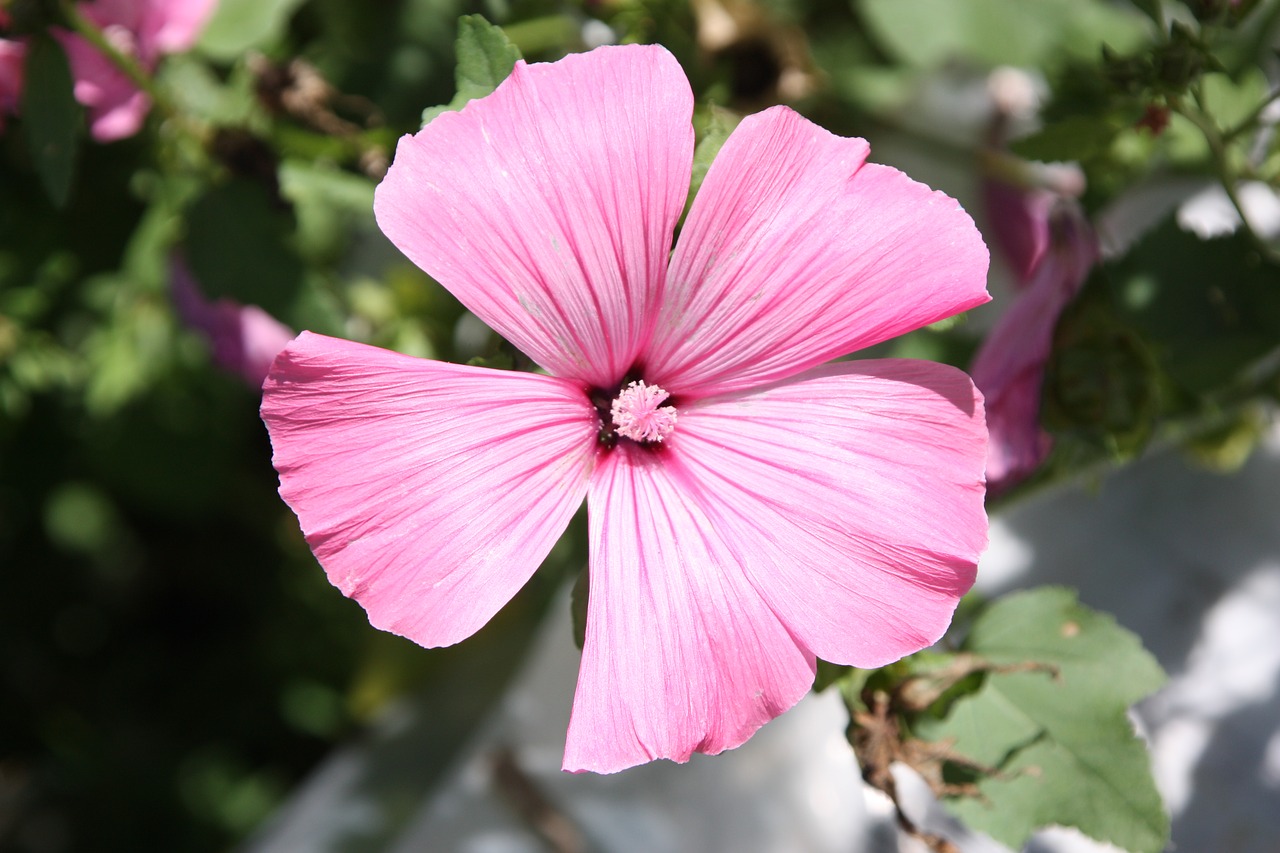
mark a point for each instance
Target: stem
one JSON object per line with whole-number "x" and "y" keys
{"x": 1218, "y": 148}
{"x": 1251, "y": 121}
{"x": 531, "y": 803}
{"x": 128, "y": 65}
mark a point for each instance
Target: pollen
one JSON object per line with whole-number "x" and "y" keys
{"x": 638, "y": 413}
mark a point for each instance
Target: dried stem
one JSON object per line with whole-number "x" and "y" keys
{"x": 534, "y": 807}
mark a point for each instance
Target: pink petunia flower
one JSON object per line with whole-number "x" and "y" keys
{"x": 142, "y": 29}
{"x": 244, "y": 338}
{"x": 750, "y": 507}
{"x": 1009, "y": 366}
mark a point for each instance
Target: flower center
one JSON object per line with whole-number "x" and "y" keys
{"x": 638, "y": 414}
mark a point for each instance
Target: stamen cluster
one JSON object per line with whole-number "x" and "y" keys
{"x": 638, "y": 414}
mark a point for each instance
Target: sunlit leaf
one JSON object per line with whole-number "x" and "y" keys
{"x": 932, "y": 32}
{"x": 330, "y": 205}
{"x": 241, "y": 25}
{"x": 719, "y": 124}
{"x": 485, "y": 58}
{"x": 1059, "y": 733}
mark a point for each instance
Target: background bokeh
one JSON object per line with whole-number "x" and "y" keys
{"x": 173, "y": 662}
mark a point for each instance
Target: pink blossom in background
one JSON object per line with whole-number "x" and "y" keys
{"x": 244, "y": 338}
{"x": 13, "y": 54}
{"x": 1009, "y": 366}
{"x": 1019, "y": 224}
{"x": 751, "y": 506}
{"x": 1019, "y": 198}
{"x": 142, "y": 29}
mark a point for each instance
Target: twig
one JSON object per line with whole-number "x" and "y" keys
{"x": 533, "y": 806}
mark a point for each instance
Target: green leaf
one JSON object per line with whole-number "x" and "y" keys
{"x": 241, "y": 25}
{"x": 1060, "y": 735}
{"x": 485, "y": 58}
{"x": 1150, "y": 8}
{"x": 829, "y": 674}
{"x": 330, "y": 204}
{"x": 928, "y": 33}
{"x": 51, "y": 117}
{"x": 238, "y": 246}
{"x": 1074, "y": 138}
{"x": 196, "y": 89}
{"x": 1210, "y": 309}
{"x": 719, "y": 124}
{"x": 1231, "y": 101}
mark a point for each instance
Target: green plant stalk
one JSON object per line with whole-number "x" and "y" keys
{"x": 127, "y": 65}
{"x": 1250, "y": 122}
{"x": 1218, "y": 148}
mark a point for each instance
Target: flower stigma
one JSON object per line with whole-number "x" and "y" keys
{"x": 638, "y": 414}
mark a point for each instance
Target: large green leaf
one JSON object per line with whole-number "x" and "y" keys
{"x": 241, "y": 25}
{"x": 1210, "y": 309}
{"x": 1012, "y": 32}
{"x": 1058, "y": 731}
{"x": 330, "y": 205}
{"x": 51, "y": 117}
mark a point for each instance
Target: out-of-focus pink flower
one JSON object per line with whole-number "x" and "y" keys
{"x": 142, "y": 29}
{"x": 750, "y": 506}
{"x": 12, "y": 56}
{"x": 244, "y": 338}
{"x": 1009, "y": 366}
{"x": 1019, "y": 198}
{"x": 1019, "y": 224}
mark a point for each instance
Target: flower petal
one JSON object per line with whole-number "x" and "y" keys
{"x": 244, "y": 338}
{"x": 428, "y": 491}
{"x": 854, "y": 495}
{"x": 116, "y": 107}
{"x": 173, "y": 26}
{"x": 1019, "y": 224}
{"x": 121, "y": 13}
{"x": 682, "y": 655}
{"x": 13, "y": 57}
{"x": 1009, "y": 366}
{"x": 795, "y": 252}
{"x": 547, "y": 208}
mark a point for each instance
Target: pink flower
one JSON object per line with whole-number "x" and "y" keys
{"x": 1019, "y": 222}
{"x": 13, "y": 55}
{"x": 1019, "y": 198}
{"x": 142, "y": 29}
{"x": 749, "y": 508}
{"x": 1009, "y": 366}
{"x": 244, "y": 338}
